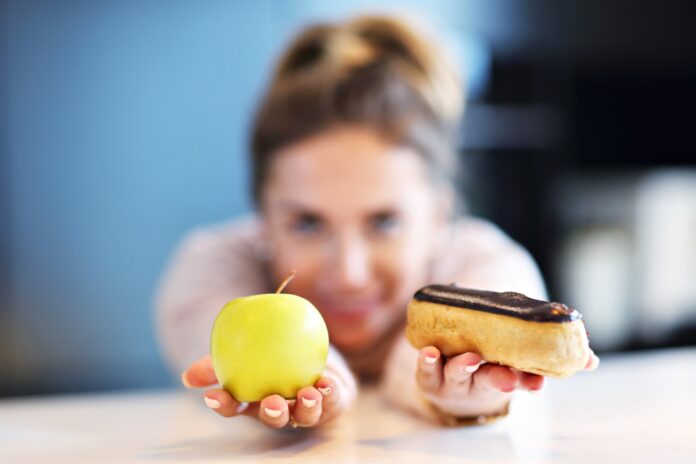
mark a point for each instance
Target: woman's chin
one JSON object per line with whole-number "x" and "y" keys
{"x": 358, "y": 330}
{"x": 353, "y": 341}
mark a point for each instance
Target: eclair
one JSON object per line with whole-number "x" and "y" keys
{"x": 507, "y": 328}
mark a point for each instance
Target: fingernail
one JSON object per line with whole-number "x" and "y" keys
{"x": 185, "y": 381}
{"x": 242, "y": 407}
{"x": 430, "y": 360}
{"x": 211, "y": 403}
{"x": 272, "y": 412}
{"x": 324, "y": 390}
{"x": 309, "y": 403}
{"x": 470, "y": 369}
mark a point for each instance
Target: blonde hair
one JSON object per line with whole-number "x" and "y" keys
{"x": 370, "y": 70}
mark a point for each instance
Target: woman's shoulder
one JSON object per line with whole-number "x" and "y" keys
{"x": 241, "y": 232}
{"x": 479, "y": 253}
{"x": 231, "y": 246}
{"x": 475, "y": 234}
{"x": 240, "y": 226}
{"x": 218, "y": 255}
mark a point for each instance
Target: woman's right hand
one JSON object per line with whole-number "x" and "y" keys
{"x": 314, "y": 405}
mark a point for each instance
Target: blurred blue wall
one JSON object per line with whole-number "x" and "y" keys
{"x": 123, "y": 126}
{"x": 127, "y": 127}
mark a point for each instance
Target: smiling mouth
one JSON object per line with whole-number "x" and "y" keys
{"x": 352, "y": 311}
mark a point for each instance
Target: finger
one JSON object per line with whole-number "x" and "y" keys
{"x": 307, "y": 409}
{"x": 273, "y": 411}
{"x": 459, "y": 369}
{"x": 199, "y": 374}
{"x": 429, "y": 370}
{"x": 331, "y": 397}
{"x": 223, "y": 403}
{"x": 496, "y": 377}
{"x": 592, "y": 362}
{"x": 529, "y": 381}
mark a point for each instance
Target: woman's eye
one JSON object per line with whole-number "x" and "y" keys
{"x": 384, "y": 222}
{"x": 307, "y": 224}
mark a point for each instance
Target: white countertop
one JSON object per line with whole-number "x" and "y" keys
{"x": 635, "y": 408}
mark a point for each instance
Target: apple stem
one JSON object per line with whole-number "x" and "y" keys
{"x": 286, "y": 281}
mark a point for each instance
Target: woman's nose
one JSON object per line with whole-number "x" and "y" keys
{"x": 352, "y": 263}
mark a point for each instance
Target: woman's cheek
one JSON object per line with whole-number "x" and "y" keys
{"x": 413, "y": 272}
{"x": 304, "y": 260}
{"x": 395, "y": 274}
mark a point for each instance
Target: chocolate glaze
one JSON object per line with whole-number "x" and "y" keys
{"x": 507, "y": 303}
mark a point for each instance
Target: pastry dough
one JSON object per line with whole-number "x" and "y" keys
{"x": 506, "y": 328}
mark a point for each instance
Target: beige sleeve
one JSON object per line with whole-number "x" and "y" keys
{"x": 338, "y": 370}
{"x": 485, "y": 259}
{"x": 398, "y": 383}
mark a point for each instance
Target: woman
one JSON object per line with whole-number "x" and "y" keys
{"x": 352, "y": 152}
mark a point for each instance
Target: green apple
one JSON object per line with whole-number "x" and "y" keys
{"x": 268, "y": 344}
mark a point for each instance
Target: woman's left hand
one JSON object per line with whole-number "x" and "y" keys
{"x": 465, "y": 385}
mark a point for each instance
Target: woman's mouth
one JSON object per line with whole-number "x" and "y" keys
{"x": 350, "y": 311}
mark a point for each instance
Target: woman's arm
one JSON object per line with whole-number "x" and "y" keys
{"x": 421, "y": 382}
{"x": 210, "y": 268}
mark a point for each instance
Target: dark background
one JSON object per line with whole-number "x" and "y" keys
{"x": 593, "y": 92}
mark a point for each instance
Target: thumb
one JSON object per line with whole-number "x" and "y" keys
{"x": 199, "y": 374}
{"x": 460, "y": 368}
{"x": 592, "y": 362}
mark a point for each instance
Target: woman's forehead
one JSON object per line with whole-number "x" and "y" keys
{"x": 361, "y": 180}
{"x": 352, "y": 163}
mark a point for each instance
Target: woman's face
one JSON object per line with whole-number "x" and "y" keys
{"x": 357, "y": 218}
